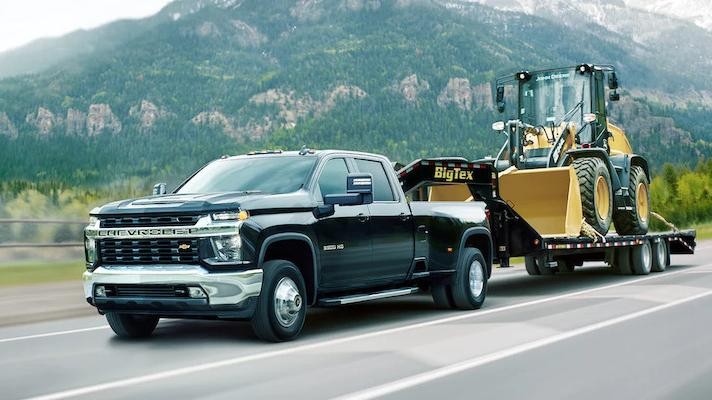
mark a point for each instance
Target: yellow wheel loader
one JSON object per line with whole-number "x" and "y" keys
{"x": 563, "y": 162}
{"x": 562, "y": 177}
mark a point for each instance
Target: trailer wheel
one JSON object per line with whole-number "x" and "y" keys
{"x": 469, "y": 283}
{"x": 530, "y": 265}
{"x": 621, "y": 261}
{"x": 536, "y": 265}
{"x": 596, "y": 194}
{"x": 635, "y": 221}
{"x": 281, "y": 309}
{"x": 565, "y": 266}
{"x": 131, "y": 326}
{"x": 642, "y": 258}
{"x": 661, "y": 255}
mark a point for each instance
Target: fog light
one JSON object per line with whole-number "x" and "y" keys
{"x": 100, "y": 291}
{"x": 196, "y": 293}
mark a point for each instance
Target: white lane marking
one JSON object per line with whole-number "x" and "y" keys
{"x": 67, "y": 332}
{"x": 276, "y": 353}
{"x": 42, "y": 335}
{"x": 419, "y": 379}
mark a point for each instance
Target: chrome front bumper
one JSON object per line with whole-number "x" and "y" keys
{"x": 228, "y": 288}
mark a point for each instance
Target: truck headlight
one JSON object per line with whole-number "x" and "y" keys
{"x": 228, "y": 248}
{"x": 90, "y": 250}
{"x": 230, "y": 216}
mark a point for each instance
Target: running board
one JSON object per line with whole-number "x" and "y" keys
{"x": 357, "y": 298}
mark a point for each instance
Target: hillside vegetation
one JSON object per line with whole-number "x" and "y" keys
{"x": 155, "y": 99}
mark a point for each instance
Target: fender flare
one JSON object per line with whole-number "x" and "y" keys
{"x": 625, "y": 161}
{"x": 278, "y": 237}
{"x": 482, "y": 232}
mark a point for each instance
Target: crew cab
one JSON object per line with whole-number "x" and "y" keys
{"x": 262, "y": 236}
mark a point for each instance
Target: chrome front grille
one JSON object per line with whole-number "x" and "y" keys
{"x": 148, "y": 251}
{"x": 132, "y": 221}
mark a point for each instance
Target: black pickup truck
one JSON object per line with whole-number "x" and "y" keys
{"x": 262, "y": 236}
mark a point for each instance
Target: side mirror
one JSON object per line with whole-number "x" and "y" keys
{"x": 500, "y": 99}
{"x": 612, "y": 81}
{"x": 498, "y": 126}
{"x": 159, "y": 189}
{"x": 359, "y": 190}
{"x": 614, "y": 96}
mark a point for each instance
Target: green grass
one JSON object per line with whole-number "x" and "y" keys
{"x": 704, "y": 231}
{"x": 30, "y": 272}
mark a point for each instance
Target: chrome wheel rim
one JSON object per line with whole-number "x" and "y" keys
{"x": 477, "y": 278}
{"x": 661, "y": 252}
{"x": 647, "y": 256}
{"x": 287, "y": 302}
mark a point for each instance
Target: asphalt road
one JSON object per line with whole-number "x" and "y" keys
{"x": 590, "y": 334}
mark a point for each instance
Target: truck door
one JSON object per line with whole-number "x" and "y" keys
{"x": 391, "y": 225}
{"x": 344, "y": 241}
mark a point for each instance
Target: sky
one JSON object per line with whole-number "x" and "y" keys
{"x": 22, "y": 21}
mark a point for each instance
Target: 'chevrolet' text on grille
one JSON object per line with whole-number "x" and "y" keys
{"x": 147, "y": 232}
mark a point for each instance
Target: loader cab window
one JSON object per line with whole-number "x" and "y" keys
{"x": 555, "y": 98}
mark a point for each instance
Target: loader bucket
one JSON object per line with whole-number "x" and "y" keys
{"x": 549, "y": 199}
{"x": 452, "y": 192}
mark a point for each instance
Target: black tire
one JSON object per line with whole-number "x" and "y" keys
{"x": 442, "y": 295}
{"x": 132, "y": 326}
{"x": 621, "y": 261}
{"x": 661, "y": 255}
{"x": 641, "y": 258}
{"x": 630, "y": 222}
{"x": 537, "y": 266}
{"x": 565, "y": 266}
{"x": 469, "y": 282}
{"x": 530, "y": 265}
{"x": 282, "y": 275}
{"x": 589, "y": 170}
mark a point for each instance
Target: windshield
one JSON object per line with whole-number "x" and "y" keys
{"x": 273, "y": 175}
{"x": 548, "y": 97}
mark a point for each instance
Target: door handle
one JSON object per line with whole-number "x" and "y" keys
{"x": 404, "y": 216}
{"x": 362, "y": 217}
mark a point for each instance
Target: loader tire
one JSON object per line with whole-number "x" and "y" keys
{"x": 635, "y": 221}
{"x": 596, "y": 194}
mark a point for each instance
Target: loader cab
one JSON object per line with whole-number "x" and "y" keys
{"x": 552, "y": 111}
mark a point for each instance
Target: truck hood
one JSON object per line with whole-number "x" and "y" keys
{"x": 209, "y": 202}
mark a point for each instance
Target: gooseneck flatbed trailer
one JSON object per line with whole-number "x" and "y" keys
{"x": 451, "y": 179}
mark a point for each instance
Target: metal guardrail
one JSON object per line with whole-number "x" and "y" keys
{"x": 40, "y": 222}
{"x": 33, "y": 245}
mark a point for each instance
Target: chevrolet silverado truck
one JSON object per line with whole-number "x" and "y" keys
{"x": 262, "y": 236}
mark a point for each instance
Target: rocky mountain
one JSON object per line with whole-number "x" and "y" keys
{"x": 408, "y": 78}
{"x": 697, "y": 11}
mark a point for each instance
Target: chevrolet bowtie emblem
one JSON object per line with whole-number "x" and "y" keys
{"x": 184, "y": 246}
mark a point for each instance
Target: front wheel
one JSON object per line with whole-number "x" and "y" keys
{"x": 596, "y": 194}
{"x": 281, "y": 307}
{"x": 130, "y": 325}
